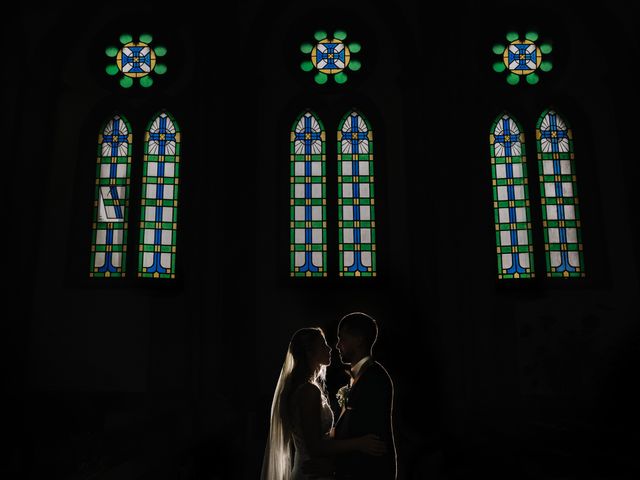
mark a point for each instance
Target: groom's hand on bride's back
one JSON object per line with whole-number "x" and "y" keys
{"x": 317, "y": 467}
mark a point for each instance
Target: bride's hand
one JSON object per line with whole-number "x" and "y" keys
{"x": 371, "y": 445}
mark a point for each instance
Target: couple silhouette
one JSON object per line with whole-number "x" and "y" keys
{"x": 304, "y": 443}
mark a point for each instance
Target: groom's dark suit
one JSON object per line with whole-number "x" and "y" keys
{"x": 368, "y": 410}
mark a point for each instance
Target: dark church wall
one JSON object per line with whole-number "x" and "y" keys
{"x": 126, "y": 378}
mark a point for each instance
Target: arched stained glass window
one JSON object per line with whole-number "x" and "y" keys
{"x": 559, "y": 197}
{"x": 356, "y": 204}
{"x": 511, "y": 199}
{"x": 111, "y": 201}
{"x": 159, "y": 207}
{"x": 308, "y": 228}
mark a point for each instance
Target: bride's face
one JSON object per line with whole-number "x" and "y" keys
{"x": 322, "y": 354}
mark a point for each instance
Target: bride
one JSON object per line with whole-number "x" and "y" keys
{"x": 301, "y": 415}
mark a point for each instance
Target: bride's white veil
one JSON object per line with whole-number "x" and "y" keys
{"x": 276, "y": 464}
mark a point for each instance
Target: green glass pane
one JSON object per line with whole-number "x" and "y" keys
{"x": 160, "y": 51}
{"x": 160, "y": 68}
{"x": 341, "y": 77}
{"x": 112, "y": 69}
{"x": 546, "y": 48}
{"x": 532, "y": 79}
{"x": 513, "y": 79}
{"x": 320, "y": 78}
{"x": 306, "y": 48}
{"x": 111, "y": 51}
{"x": 340, "y": 34}
{"x": 511, "y": 36}
{"x": 499, "y": 67}
{"x": 320, "y": 35}
{"x": 533, "y": 36}
{"x": 355, "y": 47}
{"x": 126, "y": 82}
{"x": 546, "y": 66}
{"x": 125, "y": 38}
{"x": 307, "y": 65}
{"x": 498, "y": 49}
{"x": 355, "y": 65}
{"x": 146, "y": 82}
{"x": 146, "y": 38}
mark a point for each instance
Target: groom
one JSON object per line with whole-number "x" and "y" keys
{"x": 369, "y": 402}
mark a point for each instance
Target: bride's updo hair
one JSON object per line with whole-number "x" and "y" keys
{"x": 302, "y": 347}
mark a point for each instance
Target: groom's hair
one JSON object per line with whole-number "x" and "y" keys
{"x": 360, "y": 324}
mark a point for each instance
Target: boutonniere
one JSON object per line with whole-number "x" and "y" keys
{"x": 343, "y": 395}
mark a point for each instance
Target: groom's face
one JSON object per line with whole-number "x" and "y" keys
{"x": 346, "y": 345}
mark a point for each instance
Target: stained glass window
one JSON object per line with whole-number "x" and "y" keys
{"x": 136, "y": 60}
{"x": 159, "y": 206}
{"x": 511, "y": 199}
{"x": 308, "y": 230}
{"x": 522, "y": 58}
{"x": 330, "y": 56}
{"x": 111, "y": 201}
{"x": 559, "y": 197}
{"x": 356, "y": 204}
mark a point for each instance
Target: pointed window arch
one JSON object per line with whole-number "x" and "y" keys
{"x": 559, "y": 197}
{"x": 307, "y": 197}
{"x": 511, "y": 199}
{"x": 111, "y": 200}
{"x": 159, "y": 205}
{"x": 356, "y": 203}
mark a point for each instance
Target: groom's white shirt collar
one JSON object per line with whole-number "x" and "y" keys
{"x": 355, "y": 369}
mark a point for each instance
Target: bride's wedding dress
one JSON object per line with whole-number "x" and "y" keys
{"x": 301, "y": 454}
